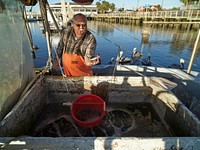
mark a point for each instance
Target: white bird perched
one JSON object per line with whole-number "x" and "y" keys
{"x": 146, "y": 61}
{"x": 120, "y": 53}
{"x": 136, "y": 54}
{"x": 178, "y": 66}
{"x": 112, "y": 61}
{"x": 124, "y": 60}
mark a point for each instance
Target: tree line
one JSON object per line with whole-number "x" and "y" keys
{"x": 106, "y": 7}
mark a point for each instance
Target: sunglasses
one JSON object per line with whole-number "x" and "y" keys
{"x": 79, "y": 25}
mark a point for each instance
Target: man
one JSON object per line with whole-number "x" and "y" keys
{"x": 77, "y": 46}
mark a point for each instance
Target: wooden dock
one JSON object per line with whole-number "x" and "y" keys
{"x": 181, "y": 19}
{"x": 189, "y": 19}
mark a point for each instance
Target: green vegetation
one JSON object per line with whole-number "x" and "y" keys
{"x": 188, "y": 2}
{"x": 105, "y": 6}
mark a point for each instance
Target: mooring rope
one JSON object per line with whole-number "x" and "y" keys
{"x": 58, "y": 60}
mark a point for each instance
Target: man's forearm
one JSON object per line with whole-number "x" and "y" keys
{"x": 59, "y": 50}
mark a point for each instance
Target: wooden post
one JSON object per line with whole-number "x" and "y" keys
{"x": 63, "y": 12}
{"x": 193, "y": 53}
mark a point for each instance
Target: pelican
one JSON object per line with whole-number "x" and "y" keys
{"x": 178, "y": 66}
{"x": 112, "y": 60}
{"x": 136, "y": 54}
{"x": 146, "y": 61}
{"x": 124, "y": 60}
{"x": 120, "y": 59}
{"x": 119, "y": 56}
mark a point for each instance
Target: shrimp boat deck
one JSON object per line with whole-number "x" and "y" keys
{"x": 182, "y": 126}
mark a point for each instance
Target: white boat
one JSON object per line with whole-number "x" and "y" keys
{"x": 147, "y": 107}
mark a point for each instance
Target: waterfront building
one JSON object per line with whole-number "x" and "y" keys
{"x": 74, "y": 8}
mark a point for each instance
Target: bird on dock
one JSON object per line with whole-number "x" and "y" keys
{"x": 120, "y": 60}
{"x": 112, "y": 60}
{"x": 124, "y": 60}
{"x": 135, "y": 57}
{"x": 119, "y": 56}
{"x": 146, "y": 61}
{"x": 136, "y": 54}
{"x": 178, "y": 66}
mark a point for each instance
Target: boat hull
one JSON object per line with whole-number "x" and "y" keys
{"x": 176, "y": 117}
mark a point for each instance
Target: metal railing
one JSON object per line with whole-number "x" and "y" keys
{"x": 189, "y": 14}
{"x": 180, "y": 14}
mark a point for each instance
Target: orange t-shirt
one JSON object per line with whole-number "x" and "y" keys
{"x": 74, "y": 65}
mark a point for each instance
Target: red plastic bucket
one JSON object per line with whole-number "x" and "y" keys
{"x": 88, "y": 110}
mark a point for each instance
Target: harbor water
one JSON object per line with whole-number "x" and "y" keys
{"x": 165, "y": 46}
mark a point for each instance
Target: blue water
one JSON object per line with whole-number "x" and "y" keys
{"x": 165, "y": 46}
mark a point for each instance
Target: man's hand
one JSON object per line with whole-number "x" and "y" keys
{"x": 95, "y": 60}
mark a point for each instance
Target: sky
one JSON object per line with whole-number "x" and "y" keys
{"x": 132, "y": 4}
